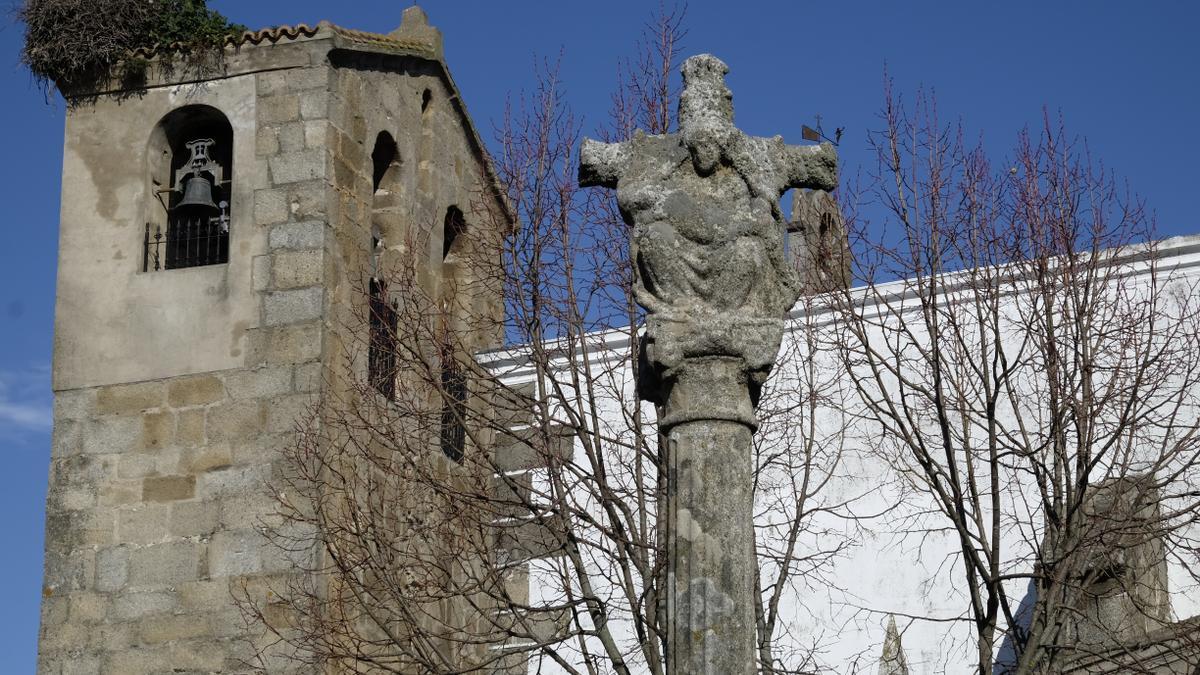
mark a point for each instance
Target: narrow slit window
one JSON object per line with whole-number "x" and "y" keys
{"x": 381, "y": 358}
{"x": 454, "y": 410}
{"x": 453, "y": 227}
{"x": 454, "y": 382}
{"x": 384, "y": 158}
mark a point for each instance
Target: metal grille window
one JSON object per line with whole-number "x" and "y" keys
{"x": 454, "y": 410}
{"x": 454, "y": 381}
{"x": 192, "y": 228}
{"x": 381, "y": 357}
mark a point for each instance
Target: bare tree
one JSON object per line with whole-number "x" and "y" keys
{"x": 1028, "y": 364}
{"x": 498, "y": 511}
{"x": 803, "y": 526}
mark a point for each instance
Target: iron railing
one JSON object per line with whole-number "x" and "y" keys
{"x": 186, "y": 243}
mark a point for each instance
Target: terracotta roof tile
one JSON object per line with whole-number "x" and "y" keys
{"x": 273, "y": 35}
{"x": 299, "y": 32}
{"x": 387, "y": 41}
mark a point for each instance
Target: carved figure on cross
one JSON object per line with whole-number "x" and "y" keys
{"x": 708, "y": 230}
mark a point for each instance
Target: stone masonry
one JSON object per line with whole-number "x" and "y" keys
{"x": 176, "y": 390}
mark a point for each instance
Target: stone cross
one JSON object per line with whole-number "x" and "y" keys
{"x": 713, "y": 278}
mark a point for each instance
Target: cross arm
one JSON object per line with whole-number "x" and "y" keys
{"x": 601, "y": 164}
{"x": 811, "y": 166}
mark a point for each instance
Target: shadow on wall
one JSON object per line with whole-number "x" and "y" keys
{"x": 1006, "y": 656}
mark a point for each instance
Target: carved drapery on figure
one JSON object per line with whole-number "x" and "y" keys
{"x": 708, "y": 229}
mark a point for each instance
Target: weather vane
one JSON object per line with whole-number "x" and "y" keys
{"x": 810, "y": 134}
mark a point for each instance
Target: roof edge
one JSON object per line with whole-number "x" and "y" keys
{"x": 513, "y": 362}
{"x": 414, "y": 38}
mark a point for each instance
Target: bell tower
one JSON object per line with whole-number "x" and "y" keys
{"x": 212, "y": 224}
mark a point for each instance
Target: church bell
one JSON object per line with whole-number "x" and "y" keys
{"x": 198, "y": 196}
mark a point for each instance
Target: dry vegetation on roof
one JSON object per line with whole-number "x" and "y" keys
{"x": 75, "y": 43}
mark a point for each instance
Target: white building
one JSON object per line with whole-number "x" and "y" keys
{"x": 883, "y": 551}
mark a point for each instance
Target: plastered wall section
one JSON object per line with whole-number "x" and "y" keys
{"x": 115, "y": 323}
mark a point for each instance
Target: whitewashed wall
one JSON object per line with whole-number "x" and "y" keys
{"x": 895, "y": 558}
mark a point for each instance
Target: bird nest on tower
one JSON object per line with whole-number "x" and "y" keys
{"x": 79, "y": 44}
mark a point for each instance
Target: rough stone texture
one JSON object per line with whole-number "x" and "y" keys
{"x": 1170, "y": 650}
{"x": 708, "y": 230}
{"x": 716, "y": 285}
{"x": 271, "y": 206}
{"x": 260, "y": 383}
{"x": 158, "y": 429}
{"x": 892, "y": 661}
{"x": 130, "y": 398}
{"x": 711, "y": 550}
{"x": 818, "y": 243}
{"x": 1119, "y": 586}
{"x": 172, "y": 411}
{"x": 280, "y": 307}
{"x": 280, "y": 108}
{"x": 298, "y": 235}
{"x": 294, "y": 269}
{"x": 296, "y": 167}
{"x": 293, "y": 343}
{"x": 415, "y": 26}
{"x": 193, "y": 391}
{"x": 168, "y": 488}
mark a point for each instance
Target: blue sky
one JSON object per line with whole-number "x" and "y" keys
{"x": 1123, "y": 74}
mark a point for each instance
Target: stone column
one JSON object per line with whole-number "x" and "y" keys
{"x": 710, "y": 557}
{"x": 715, "y": 283}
